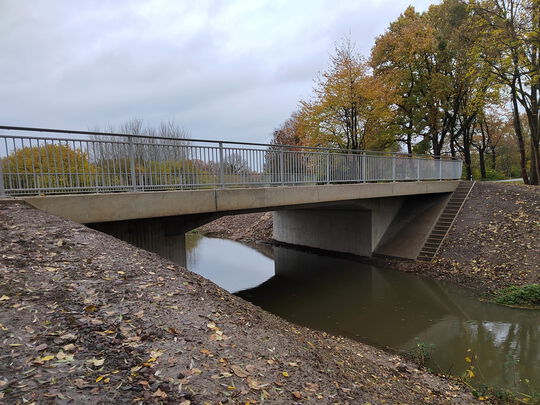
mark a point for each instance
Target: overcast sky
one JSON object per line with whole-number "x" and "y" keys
{"x": 223, "y": 69}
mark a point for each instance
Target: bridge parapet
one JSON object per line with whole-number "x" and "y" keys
{"x": 68, "y": 162}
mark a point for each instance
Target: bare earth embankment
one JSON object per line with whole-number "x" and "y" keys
{"x": 88, "y": 319}
{"x": 493, "y": 244}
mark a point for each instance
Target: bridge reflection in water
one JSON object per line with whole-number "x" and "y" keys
{"x": 386, "y": 308}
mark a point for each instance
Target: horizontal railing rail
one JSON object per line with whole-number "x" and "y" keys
{"x": 94, "y": 162}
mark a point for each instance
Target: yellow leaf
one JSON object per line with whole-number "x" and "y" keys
{"x": 46, "y": 358}
{"x": 96, "y": 362}
{"x": 470, "y": 373}
{"x": 99, "y": 378}
{"x": 156, "y": 353}
{"x": 285, "y": 374}
{"x": 468, "y": 359}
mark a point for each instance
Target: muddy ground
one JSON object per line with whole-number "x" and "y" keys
{"x": 493, "y": 244}
{"x": 88, "y": 319}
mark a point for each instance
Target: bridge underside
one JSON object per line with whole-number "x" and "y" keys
{"x": 391, "y": 219}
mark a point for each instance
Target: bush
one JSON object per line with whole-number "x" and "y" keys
{"x": 527, "y": 295}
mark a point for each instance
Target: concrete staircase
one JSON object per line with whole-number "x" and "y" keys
{"x": 445, "y": 221}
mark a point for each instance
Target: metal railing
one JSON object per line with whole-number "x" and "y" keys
{"x": 94, "y": 162}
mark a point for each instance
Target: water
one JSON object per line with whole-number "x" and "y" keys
{"x": 382, "y": 307}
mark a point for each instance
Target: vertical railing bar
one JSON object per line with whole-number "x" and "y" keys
{"x": 282, "y": 166}
{"x": 83, "y": 170}
{"x": 2, "y": 186}
{"x": 132, "y": 164}
{"x": 76, "y": 172}
{"x": 221, "y": 166}
{"x": 56, "y": 171}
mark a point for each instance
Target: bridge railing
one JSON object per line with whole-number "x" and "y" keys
{"x": 66, "y": 161}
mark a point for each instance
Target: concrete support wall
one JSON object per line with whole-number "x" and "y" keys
{"x": 355, "y": 230}
{"x": 164, "y": 236}
{"x": 347, "y": 231}
{"x": 408, "y": 232}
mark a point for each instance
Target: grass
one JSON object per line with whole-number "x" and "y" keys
{"x": 526, "y": 295}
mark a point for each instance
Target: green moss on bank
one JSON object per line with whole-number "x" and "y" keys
{"x": 526, "y": 295}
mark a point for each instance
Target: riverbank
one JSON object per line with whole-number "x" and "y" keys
{"x": 493, "y": 244}
{"x": 87, "y": 318}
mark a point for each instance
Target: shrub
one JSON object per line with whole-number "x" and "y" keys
{"x": 528, "y": 295}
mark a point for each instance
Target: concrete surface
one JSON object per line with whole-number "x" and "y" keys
{"x": 91, "y": 208}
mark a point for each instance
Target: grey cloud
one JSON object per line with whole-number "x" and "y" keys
{"x": 232, "y": 70}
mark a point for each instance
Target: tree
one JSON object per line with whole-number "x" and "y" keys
{"x": 439, "y": 86}
{"x": 48, "y": 166}
{"x": 510, "y": 43}
{"x": 348, "y": 109}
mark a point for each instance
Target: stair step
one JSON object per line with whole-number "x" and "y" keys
{"x": 445, "y": 221}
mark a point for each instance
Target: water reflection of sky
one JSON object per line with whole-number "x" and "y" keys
{"x": 382, "y": 307}
{"x": 229, "y": 264}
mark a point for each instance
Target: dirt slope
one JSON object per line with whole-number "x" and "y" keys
{"x": 494, "y": 242}
{"x": 86, "y": 318}
{"x": 244, "y": 227}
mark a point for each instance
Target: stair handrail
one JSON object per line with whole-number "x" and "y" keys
{"x": 454, "y": 220}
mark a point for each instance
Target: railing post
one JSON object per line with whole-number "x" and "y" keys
{"x": 132, "y": 164}
{"x": 418, "y": 169}
{"x": 327, "y": 167}
{"x": 364, "y": 174}
{"x": 2, "y": 189}
{"x": 440, "y": 168}
{"x": 282, "y": 167}
{"x": 394, "y": 168}
{"x": 221, "y": 166}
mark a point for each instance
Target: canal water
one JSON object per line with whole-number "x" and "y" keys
{"x": 386, "y": 308}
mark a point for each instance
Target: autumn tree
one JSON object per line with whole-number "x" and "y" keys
{"x": 510, "y": 43}
{"x": 349, "y": 108}
{"x": 48, "y": 166}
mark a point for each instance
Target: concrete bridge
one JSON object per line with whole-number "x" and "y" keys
{"x": 355, "y": 202}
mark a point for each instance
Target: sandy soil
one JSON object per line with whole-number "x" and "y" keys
{"x": 88, "y": 319}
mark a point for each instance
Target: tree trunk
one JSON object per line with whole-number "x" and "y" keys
{"x": 519, "y": 135}
{"x": 482, "y": 158}
{"x": 493, "y": 159}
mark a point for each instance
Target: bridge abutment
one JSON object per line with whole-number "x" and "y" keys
{"x": 357, "y": 230}
{"x": 164, "y": 236}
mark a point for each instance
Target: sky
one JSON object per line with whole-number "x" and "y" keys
{"x": 222, "y": 69}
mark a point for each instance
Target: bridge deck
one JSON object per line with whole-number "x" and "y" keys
{"x": 89, "y": 208}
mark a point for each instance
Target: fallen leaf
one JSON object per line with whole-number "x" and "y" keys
{"x": 69, "y": 347}
{"x": 160, "y": 394}
{"x": 254, "y": 384}
{"x": 297, "y": 394}
{"x": 239, "y": 371}
{"x": 96, "y": 362}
